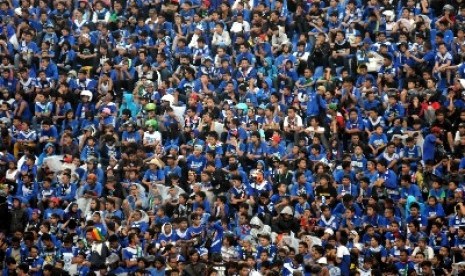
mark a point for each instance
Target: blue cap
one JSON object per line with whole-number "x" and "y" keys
{"x": 367, "y": 40}
{"x": 262, "y": 106}
{"x": 388, "y": 56}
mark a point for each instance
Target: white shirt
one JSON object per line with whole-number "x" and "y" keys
{"x": 152, "y": 137}
{"x": 297, "y": 121}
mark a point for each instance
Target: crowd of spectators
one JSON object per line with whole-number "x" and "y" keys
{"x": 231, "y": 137}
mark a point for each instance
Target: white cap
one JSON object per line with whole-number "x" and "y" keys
{"x": 322, "y": 260}
{"x": 287, "y": 211}
{"x": 329, "y": 231}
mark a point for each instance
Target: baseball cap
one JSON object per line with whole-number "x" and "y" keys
{"x": 276, "y": 138}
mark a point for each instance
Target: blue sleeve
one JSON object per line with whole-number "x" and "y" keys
{"x": 384, "y": 252}
{"x": 293, "y": 191}
{"x": 146, "y": 175}
{"x": 440, "y": 210}
{"x": 309, "y": 189}
{"x": 371, "y": 140}
{"x": 92, "y": 85}
{"x": 126, "y": 255}
{"x": 137, "y": 137}
{"x": 391, "y": 181}
{"x": 417, "y": 192}
{"x": 54, "y": 133}
{"x": 338, "y": 209}
{"x": 462, "y": 163}
{"x": 431, "y": 138}
{"x": 206, "y": 204}
{"x": 385, "y": 140}
{"x": 98, "y": 189}
{"x": 100, "y": 176}
{"x": 72, "y": 194}
{"x": 161, "y": 174}
{"x": 55, "y": 72}
{"x": 19, "y": 192}
{"x": 242, "y": 134}
{"x": 124, "y": 136}
{"x": 83, "y": 155}
{"x": 425, "y": 212}
{"x": 354, "y": 190}
{"x": 444, "y": 241}
{"x": 143, "y": 227}
{"x": 424, "y": 220}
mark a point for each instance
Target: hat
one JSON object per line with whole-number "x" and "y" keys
{"x": 275, "y": 158}
{"x": 276, "y": 138}
{"x": 329, "y": 231}
{"x": 436, "y": 129}
{"x": 55, "y": 200}
{"x": 97, "y": 235}
{"x": 92, "y": 176}
{"x": 425, "y": 239}
{"x": 148, "y": 83}
{"x": 388, "y": 56}
{"x": 286, "y": 211}
{"x": 462, "y": 125}
{"x": 37, "y": 211}
{"x": 207, "y": 58}
{"x": 367, "y": 40}
{"x": 91, "y": 160}
{"x": 448, "y": 7}
{"x": 158, "y": 162}
{"x": 195, "y": 96}
{"x": 322, "y": 260}
{"x": 121, "y": 18}
{"x": 18, "y": 11}
{"x": 332, "y": 106}
{"x": 262, "y": 106}
{"x": 73, "y": 73}
{"x": 49, "y": 145}
{"x": 199, "y": 27}
{"x": 321, "y": 87}
{"x": 149, "y": 258}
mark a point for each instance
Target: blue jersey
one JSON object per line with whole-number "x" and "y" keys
{"x": 132, "y": 254}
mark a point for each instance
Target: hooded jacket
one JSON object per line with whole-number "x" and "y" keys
{"x": 262, "y": 228}
{"x": 44, "y": 154}
{"x": 129, "y": 103}
{"x": 170, "y": 237}
{"x": 269, "y": 70}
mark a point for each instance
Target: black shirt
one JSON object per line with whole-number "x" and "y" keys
{"x": 86, "y": 50}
